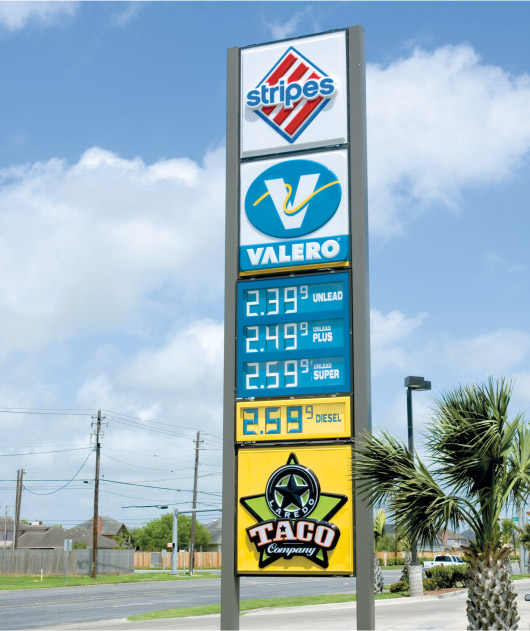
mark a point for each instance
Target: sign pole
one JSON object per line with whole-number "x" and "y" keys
{"x": 297, "y": 347}
{"x": 363, "y": 521}
{"x": 229, "y": 580}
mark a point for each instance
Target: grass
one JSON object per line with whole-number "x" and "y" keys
{"x": 250, "y": 605}
{"x": 8, "y": 581}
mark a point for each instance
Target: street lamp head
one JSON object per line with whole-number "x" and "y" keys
{"x": 417, "y": 383}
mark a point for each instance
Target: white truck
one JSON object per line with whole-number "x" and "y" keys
{"x": 443, "y": 559}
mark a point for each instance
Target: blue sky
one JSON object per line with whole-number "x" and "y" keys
{"x": 112, "y": 219}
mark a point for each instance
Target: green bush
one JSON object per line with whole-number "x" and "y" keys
{"x": 443, "y": 575}
{"x": 459, "y": 574}
{"x": 429, "y": 584}
{"x": 395, "y": 561}
{"x": 400, "y": 586}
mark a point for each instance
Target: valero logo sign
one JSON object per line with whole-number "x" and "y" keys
{"x": 294, "y": 216}
{"x": 292, "y": 199}
{"x": 291, "y": 94}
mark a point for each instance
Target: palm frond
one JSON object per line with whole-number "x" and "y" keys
{"x": 382, "y": 461}
{"x": 470, "y": 437}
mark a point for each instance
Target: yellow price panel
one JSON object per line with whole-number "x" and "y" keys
{"x": 295, "y": 510}
{"x": 294, "y": 419}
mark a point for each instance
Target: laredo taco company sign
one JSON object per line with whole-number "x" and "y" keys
{"x": 294, "y": 506}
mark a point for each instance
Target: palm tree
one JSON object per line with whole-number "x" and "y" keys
{"x": 480, "y": 462}
{"x": 379, "y": 528}
{"x": 508, "y": 529}
{"x": 524, "y": 538}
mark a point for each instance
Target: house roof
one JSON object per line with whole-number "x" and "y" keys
{"x": 54, "y": 538}
{"x": 8, "y": 522}
{"x": 468, "y": 534}
{"x": 214, "y": 528}
{"x": 109, "y": 526}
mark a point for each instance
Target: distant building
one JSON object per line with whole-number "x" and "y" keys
{"x": 214, "y": 528}
{"x": 6, "y": 533}
{"x": 53, "y": 539}
{"x": 454, "y": 540}
{"x": 107, "y": 527}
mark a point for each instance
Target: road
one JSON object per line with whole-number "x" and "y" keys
{"x": 33, "y": 608}
{"x": 405, "y": 614}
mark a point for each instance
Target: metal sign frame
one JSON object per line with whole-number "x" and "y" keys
{"x": 359, "y": 305}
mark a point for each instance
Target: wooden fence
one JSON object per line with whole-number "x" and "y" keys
{"x": 203, "y": 560}
{"x": 48, "y": 562}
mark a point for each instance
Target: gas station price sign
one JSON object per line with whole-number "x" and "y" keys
{"x": 293, "y": 419}
{"x": 293, "y": 336}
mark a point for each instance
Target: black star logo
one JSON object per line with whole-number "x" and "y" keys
{"x": 292, "y": 492}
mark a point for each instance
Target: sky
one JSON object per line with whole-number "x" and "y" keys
{"x": 112, "y": 229}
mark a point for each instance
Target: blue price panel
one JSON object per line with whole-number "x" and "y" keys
{"x": 293, "y": 336}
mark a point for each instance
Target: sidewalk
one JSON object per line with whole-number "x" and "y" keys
{"x": 404, "y": 614}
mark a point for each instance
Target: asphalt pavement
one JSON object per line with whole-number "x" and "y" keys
{"x": 425, "y": 613}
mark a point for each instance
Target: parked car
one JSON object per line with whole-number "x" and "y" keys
{"x": 443, "y": 559}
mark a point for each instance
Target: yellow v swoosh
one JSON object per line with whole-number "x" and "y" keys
{"x": 289, "y": 188}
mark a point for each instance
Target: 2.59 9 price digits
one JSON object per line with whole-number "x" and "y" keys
{"x": 293, "y": 420}
{"x": 270, "y": 377}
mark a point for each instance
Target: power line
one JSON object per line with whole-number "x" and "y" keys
{"x": 137, "y": 418}
{"x": 137, "y": 466}
{"x": 64, "y": 485}
{"x": 165, "y": 488}
{"x": 36, "y": 453}
{"x": 49, "y": 411}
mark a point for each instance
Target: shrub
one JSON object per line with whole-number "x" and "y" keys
{"x": 429, "y": 584}
{"x": 443, "y": 575}
{"x": 400, "y": 586}
{"x": 395, "y": 561}
{"x": 459, "y": 574}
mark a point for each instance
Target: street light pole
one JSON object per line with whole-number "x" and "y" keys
{"x": 413, "y": 383}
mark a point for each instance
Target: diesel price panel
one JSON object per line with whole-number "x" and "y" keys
{"x": 293, "y": 336}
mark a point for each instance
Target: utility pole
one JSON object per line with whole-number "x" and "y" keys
{"x": 96, "y": 498}
{"x": 194, "y": 514}
{"x": 18, "y": 501}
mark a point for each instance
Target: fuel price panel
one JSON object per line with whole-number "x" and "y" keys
{"x": 293, "y": 336}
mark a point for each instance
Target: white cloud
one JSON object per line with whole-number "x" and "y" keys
{"x": 191, "y": 359}
{"x": 127, "y": 15}
{"x": 388, "y": 335}
{"x": 438, "y": 122}
{"x": 16, "y": 15}
{"x": 306, "y": 18}
{"x": 84, "y": 246}
{"x": 498, "y": 352}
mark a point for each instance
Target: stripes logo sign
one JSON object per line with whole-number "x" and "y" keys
{"x": 291, "y": 94}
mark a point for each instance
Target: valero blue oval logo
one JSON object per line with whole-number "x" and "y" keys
{"x": 293, "y": 198}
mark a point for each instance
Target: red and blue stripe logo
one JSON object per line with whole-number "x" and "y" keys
{"x": 291, "y": 94}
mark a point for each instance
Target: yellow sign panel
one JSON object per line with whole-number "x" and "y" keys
{"x": 296, "y": 419}
{"x": 295, "y": 510}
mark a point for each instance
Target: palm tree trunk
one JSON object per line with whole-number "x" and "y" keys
{"x": 491, "y": 600}
{"x": 379, "y": 581}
